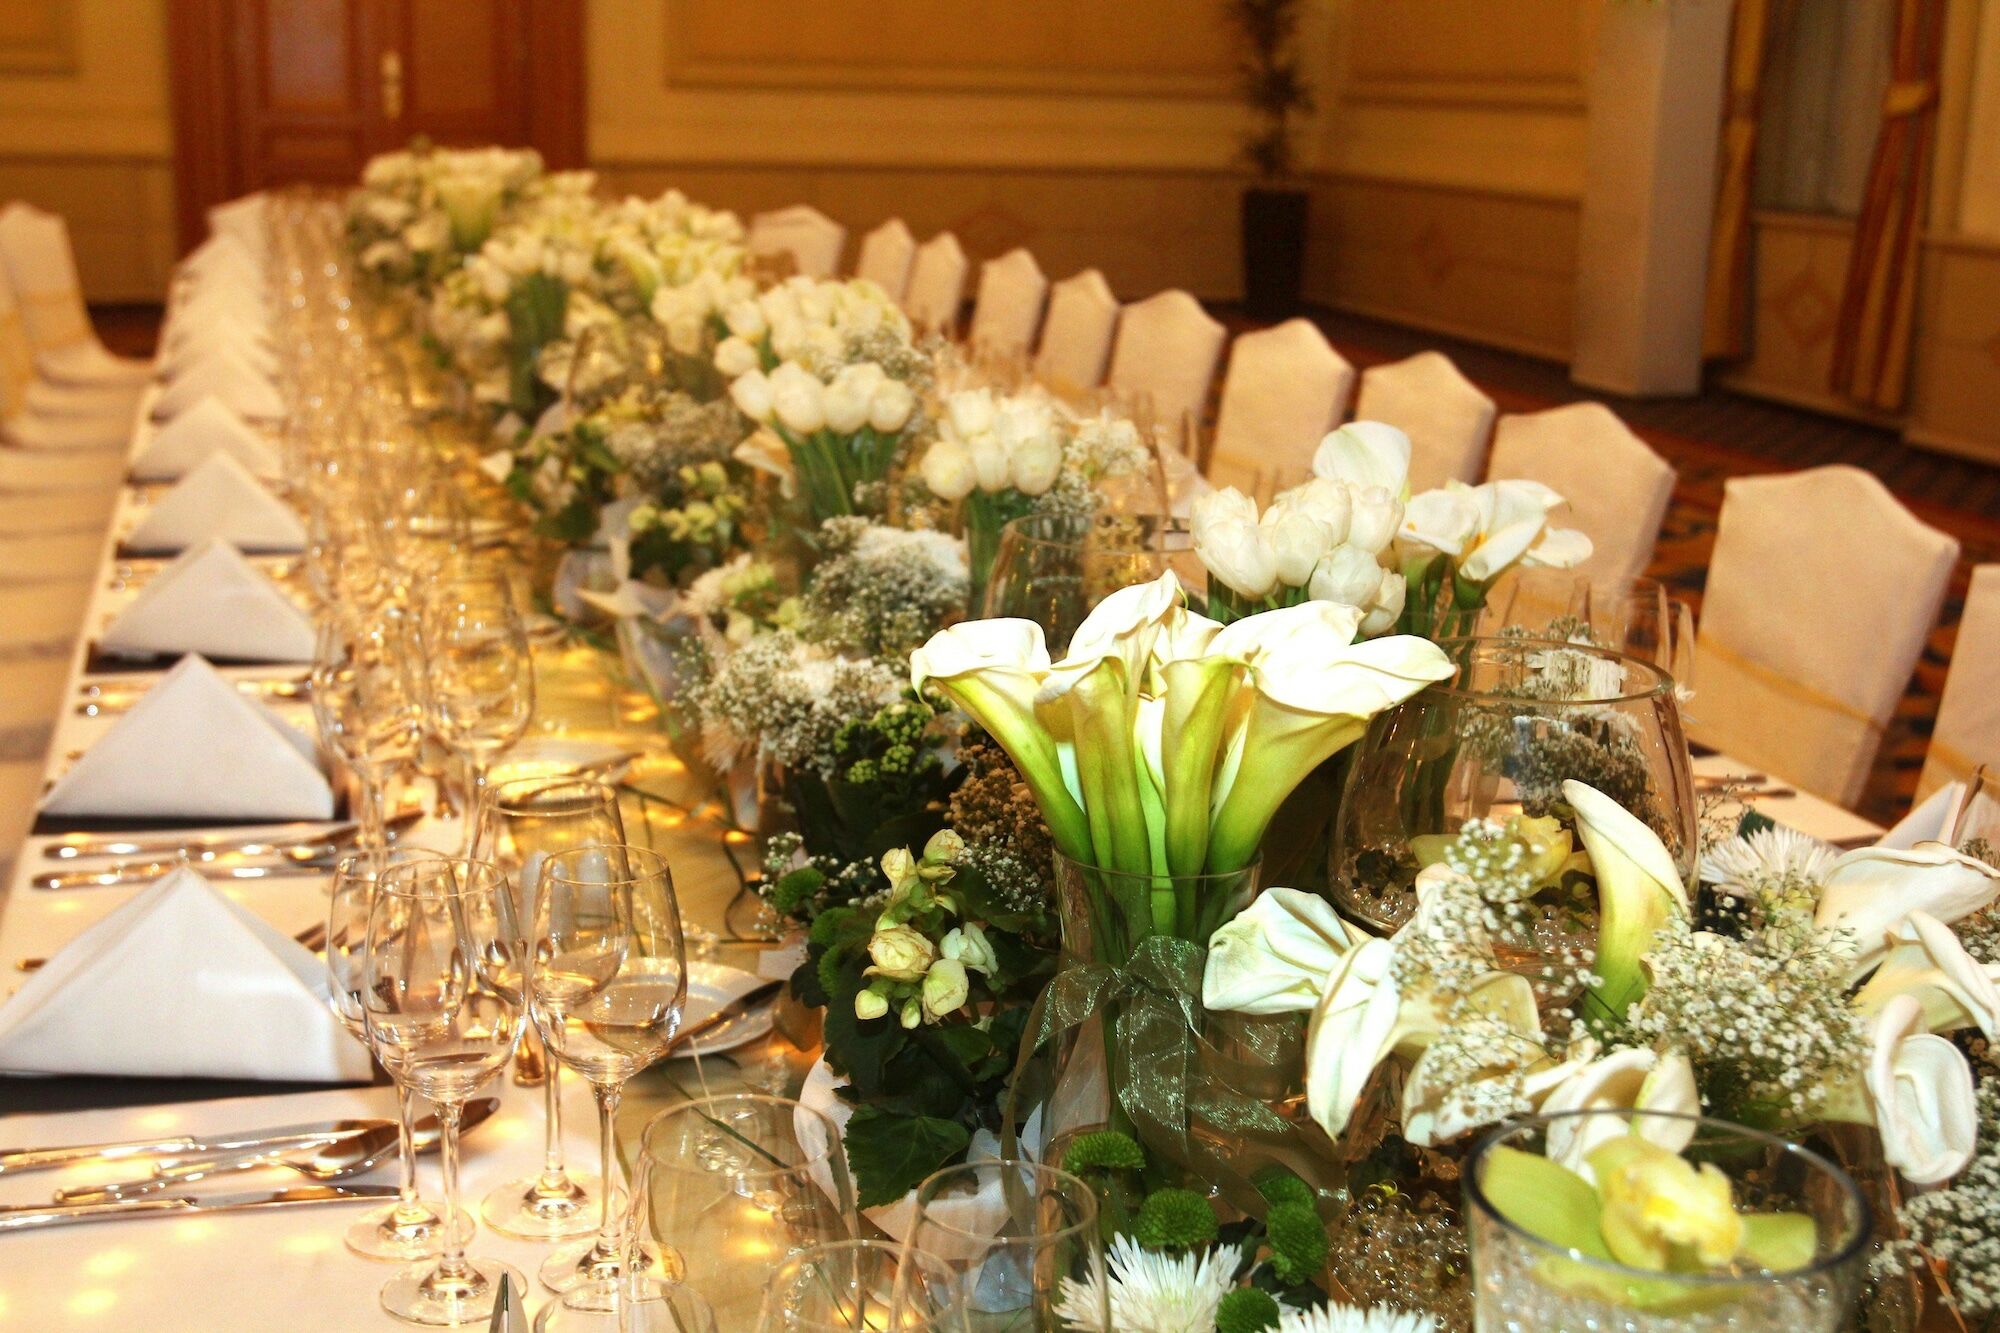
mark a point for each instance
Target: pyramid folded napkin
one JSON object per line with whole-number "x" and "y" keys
{"x": 179, "y": 982}
{"x": 195, "y": 747}
{"x": 212, "y": 601}
{"x": 218, "y": 499}
{"x": 224, "y": 374}
{"x": 209, "y": 427}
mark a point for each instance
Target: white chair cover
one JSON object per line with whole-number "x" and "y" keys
{"x": 810, "y": 237}
{"x": 1968, "y": 720}
{"x": 1285, "y": 389}
{"x": 1076, "y": 339}
{"x": 1446, "y": 417}
{"x": 1165, "y": 355}
{"x": 42, "y": 267}
{"x": 38, "y": 414}
{"x": 1617, "y": 487}
{"x": 937, "y": 284}
{"x": 1820, "y": 592}
{"x": 1008, "y": 309}
{"x": 885, "y": 258}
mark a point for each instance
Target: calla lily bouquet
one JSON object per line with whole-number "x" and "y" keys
{"x": 1164, "y": 742}
{"x": 1813, "y": 991}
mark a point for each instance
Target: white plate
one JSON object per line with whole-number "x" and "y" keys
{"x": 710, "y": 987}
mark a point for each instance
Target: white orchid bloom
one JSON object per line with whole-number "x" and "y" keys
{"x": 1639, "y": 889}
{"x": 1278, "y": 955}
{"x": 1917, "y": 1091}
{"x": 1366, "y": 453}
{"x": 1639, "y": 1079}
{"x": 1869, "y": 892}
{"x": 1926, "y": 960}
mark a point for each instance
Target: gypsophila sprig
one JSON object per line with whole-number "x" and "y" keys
{"x": 1959, "y": 1226}
{"x": 881, "y": 591}
{"x": 788, "y": 700}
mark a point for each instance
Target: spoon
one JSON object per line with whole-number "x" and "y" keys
{"x": 347, "y": 1156}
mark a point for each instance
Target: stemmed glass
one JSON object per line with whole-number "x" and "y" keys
{"x": 739, "y": 1183}
{"x": 1022, "y": 1242}
{"x": 481, "y": 676}
{"x": 443, "y": 1019}
{"x": 608, "y": 975}
{"x": 409, "y": 1228}
{"x": 522, "y": 822}
{"x": 846, "y": 1285}
{"x": 367, "y": 705}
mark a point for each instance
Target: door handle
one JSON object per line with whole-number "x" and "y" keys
{"x": 391, "y": 68}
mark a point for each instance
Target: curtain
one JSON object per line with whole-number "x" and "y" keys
{"x": 1726, "y": 322}
{"x": 1871, "y": 350}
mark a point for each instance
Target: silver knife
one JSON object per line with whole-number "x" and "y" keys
{"x": 729, "y": 1012}
{"x": 267, "y": 839}
{"x": 145, "y": 872}
{"x": 282, "y": 1136}
{"x": 40, "y": 1216}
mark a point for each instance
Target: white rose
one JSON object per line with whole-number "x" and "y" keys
{"x": 752, "y": 395}
{"x": 947, "y": 470}
{"x": 1036, "y": 463}
{"x": 735, "y": 356}
{"x": 900, "y": 953}
{"x": 945, "y": 988}
{"x": 891, "y": 405}
{"x": 968, "y": 944}
{"x": 990, "y": 464}
{"x": 799, "y": 398}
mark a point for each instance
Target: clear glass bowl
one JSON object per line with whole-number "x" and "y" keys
{"x": 1053, "y": 570}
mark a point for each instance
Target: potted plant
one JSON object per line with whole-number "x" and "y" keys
{"x": 1274, "y": 209}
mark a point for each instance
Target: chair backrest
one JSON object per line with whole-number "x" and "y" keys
{"x": 1008, "y": 309}
{"x": 1820, "y": 593}
{"x": 810, "y": 237}
{"x": 937, "y": 284}
{"x": 1967, "y": 733}
{"x": 17, "y": 354}
{"x": 1446, "y": 417}
{"x": 42, "y": 266}
{"x": 1617, "y": 487}
{"x": 1284, "y": 390}
{"x": 885, "y": 258}
{"x": 1076, "y": 337}
{"x": 1166, "y": 354}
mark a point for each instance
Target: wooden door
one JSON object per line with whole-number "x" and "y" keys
{"x": 273, "y": 92}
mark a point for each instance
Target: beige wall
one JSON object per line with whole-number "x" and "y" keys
{"x": 84, "y": 131}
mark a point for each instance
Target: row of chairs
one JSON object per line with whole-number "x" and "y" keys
{"x": 1820, "y": 594}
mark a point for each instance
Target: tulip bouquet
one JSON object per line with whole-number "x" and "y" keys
{"x": 827, "y": 367}
{"x": 416, "y": 212}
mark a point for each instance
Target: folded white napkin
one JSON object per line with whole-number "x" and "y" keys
{"x": 210, "y": 306}
{"x": 207, "y": 428}
{"x": 245, "y": 218}
{"x": 225, "y": 375}
{"x": 225, "y": 336}
{"x": 219, "y": 499}
{"x": 195, "y": 747}
{"x": 180, "y": 982}
{"x": 214, "y": 602}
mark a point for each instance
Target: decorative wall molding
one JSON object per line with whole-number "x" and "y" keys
{"x": 38, "y": 37}
{"x": 1526, "y": 55}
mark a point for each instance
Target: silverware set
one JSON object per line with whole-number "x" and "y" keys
{"x": 321, "y": 1153}
{"x": 105, "y": 698}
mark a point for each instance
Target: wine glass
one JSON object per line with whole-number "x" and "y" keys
{"x": 1022, "y": 1243}
{"x": 608, "y": 978}
{"x": 846, "y": 1285}
{"x": 409, "y": 1228}
{"x": 739, "y": 1182}
{"x": 367, "y": 705}
{"x": 522, "y": 822}
{"x": 1052, "y": 569}
{"x": 1639, "y": 617}
{"x": 443, "y": 1019}
{"x": 481, "y": 676}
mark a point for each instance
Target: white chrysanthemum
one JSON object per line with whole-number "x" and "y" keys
{"x": 1154, "y": 1293}
{"x": 1349, "y": 1319}
{"x": 1775, "y": 855}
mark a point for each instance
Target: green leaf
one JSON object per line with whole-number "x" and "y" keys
{"x": 890, "y": 1154}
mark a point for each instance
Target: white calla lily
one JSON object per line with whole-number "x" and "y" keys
{"x": 1366, "y": 453}
{"x": 1925, "y": 960}
{"x": 1277, "y": 956}
{"x": 1917, "y": 1091}
{"x": 1353, "y": 1029}
{"x": 1638, "y": 1079}
{"x": 1869, "y": 892}
{"x": 1639, "y": 889}
{"x": 1509, "y": 1033}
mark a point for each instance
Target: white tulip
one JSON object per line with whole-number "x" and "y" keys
{"x": 1222, "y": 508}
{"x": 1297, "y": 541}
{"x": 1374, "y": 516}
{"x": 752, "y": 395}
{"x": 686, "y": 332}
{"x": 1386, "y": 607}
{"x": 890, "y": 408}
{"x": 947, "y": 470}
{"x": 1920, "y": 1091}
{"x": 1640, "y": 1079}
{"x": 1870, "y": 891}
{"x": 1348, "y": 575}
{"x": 1366, "y": 453}
{"x": 1330, "y": 502}
{"x": 1036, "y": 463}
{"x": 798, "y": 397}
{"x": 1927, "y": 961}
{"x": 970, "y": 412}
{"x": 1278, "y": 955}
{"x": 989, "y": 463}
{"x": 847, "y": 402}
{"x": 735, "y": 356}
{"x": 1238, "y": 555}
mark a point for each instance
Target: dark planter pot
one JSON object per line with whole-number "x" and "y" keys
{"x": 1274, "y": 251}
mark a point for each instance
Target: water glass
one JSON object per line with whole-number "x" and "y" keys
{"x": 1021, "y": 1241}
{"x": 1054, "y": 569}
{"x": 857, "y": 1284}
